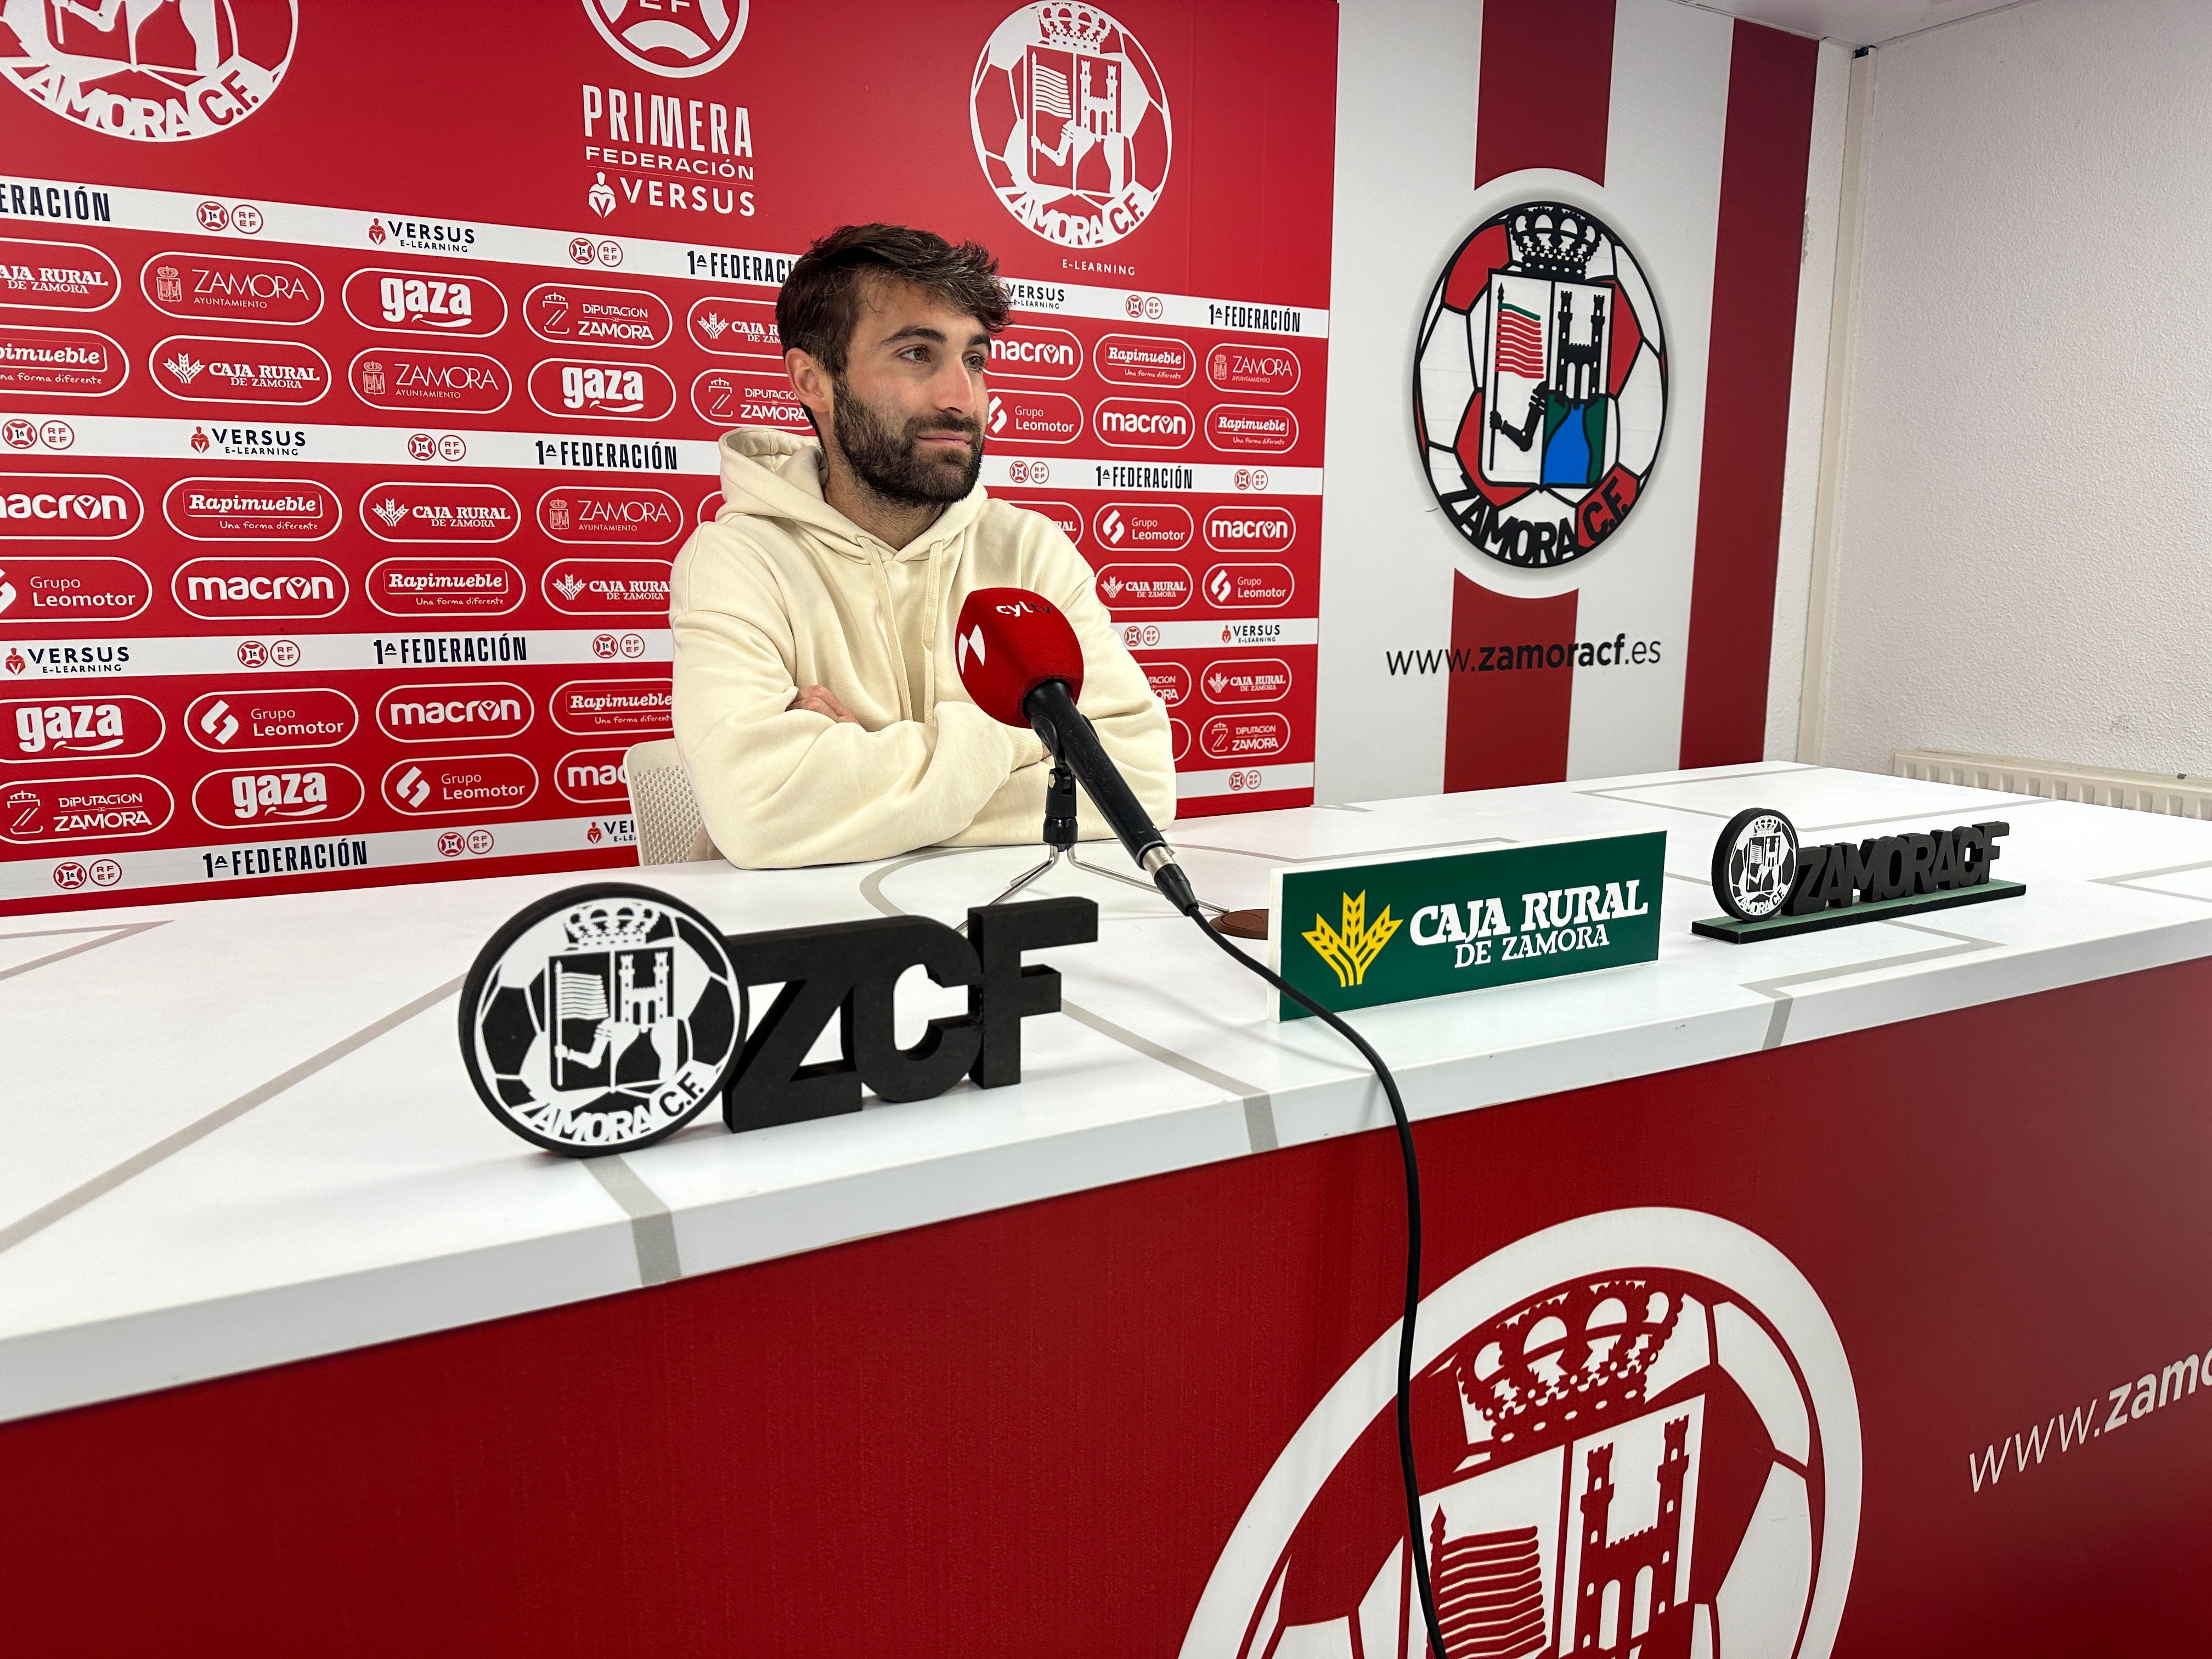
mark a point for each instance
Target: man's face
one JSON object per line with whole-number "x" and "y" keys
{"x": 908, "y": 412}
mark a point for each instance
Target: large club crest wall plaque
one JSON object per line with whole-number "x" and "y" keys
{"x": 1539, "y": 384}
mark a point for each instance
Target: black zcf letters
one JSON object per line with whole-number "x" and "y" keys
{"x": 851, "y": 968}
{"x": 1894, "y": 866}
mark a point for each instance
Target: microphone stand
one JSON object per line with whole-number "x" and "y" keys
{"x": 1059, "y": 838}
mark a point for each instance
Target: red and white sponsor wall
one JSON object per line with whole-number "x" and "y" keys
{"x": 361, "y": 369}
{"x": 1613, "y": 589}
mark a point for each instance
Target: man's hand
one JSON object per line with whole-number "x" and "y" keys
{"x": 821, "y": 700}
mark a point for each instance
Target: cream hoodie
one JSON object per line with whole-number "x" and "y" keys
{"x": 783, "y": 591}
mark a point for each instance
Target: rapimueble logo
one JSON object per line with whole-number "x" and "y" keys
{"x": 154, "y": 70}
{"x": 1071, "y": 123}
{"x": 1539, "y": 386}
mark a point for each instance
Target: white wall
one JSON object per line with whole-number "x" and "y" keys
{"x": 2021, "y": 563}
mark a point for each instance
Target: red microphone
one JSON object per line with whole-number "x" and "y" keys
{"x": 1022, "y": 663}
{"x": 1009, "y": 642}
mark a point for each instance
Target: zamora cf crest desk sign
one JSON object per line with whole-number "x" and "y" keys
{"x": 1539, "y": 386}
{"x": 603, "y": 1018}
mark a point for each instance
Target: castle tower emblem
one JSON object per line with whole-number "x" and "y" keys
{"x": 1541, "y": 390}
{"x": 1071, "y": 123}
{"x": 1639, "y": 1463}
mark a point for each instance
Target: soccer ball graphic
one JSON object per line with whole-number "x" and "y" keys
{"x": 668, "y": 42}
{"x": 601, "y": 1018}
{"x": 1539, "y": 386}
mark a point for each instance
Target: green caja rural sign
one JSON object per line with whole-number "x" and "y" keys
{"x": 1355, "y": 934}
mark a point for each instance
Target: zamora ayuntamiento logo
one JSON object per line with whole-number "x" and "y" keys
{"x": 1614, "y": 653}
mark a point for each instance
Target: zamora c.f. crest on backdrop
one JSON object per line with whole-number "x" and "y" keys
{"x": 1352, "y": 951}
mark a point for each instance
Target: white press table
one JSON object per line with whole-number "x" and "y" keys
{"x": 239, "y": 1137}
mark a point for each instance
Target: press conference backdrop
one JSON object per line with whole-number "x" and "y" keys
{"x": 361, "y": 369}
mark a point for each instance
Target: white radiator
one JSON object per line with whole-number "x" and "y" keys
{"x": 2180, "y": 797}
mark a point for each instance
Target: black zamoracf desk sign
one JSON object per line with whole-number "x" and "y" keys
{"x": 1772, "y": 887}
{"x": 604, "y": 1017}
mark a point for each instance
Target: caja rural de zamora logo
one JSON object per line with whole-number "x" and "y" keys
{"x": 1539, "y": 386}
{"x": 155, "y": 71}
{"x": 1071, "y": 123}
{"x": 1351, "y": 949}
{"x": 1637, "y": 1435}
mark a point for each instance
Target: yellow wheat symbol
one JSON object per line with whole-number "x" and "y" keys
{"x": 1349, "y": 953}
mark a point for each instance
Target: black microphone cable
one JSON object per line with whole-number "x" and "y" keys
{"x": 1412, "y": 1484}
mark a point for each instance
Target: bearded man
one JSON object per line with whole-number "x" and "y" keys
{"x": 818, "y": 709}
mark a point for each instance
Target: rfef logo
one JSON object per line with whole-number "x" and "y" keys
{"x": 412, "y": 379}
{"x": 201, "y": 368}
{"x": 447, "y": 784}
{"x": 47, "y": 729}
{"x": 60, "y": 362}
{"x": 228, "y": 288}
{"x": 233, "y": 799}
{"x": 297, "y": 717}
{"x": 154, "y": 70}
{"x": 1636, "y": 1428}
{"x": 1541, "y": 391}
{"x": 72, "y": 588}
{"x": 397, "y": 301}
{"x": 228, "y": 587}
{"x": 453, "y": 710}
{"x": 68, "y": 506}
{"x": 1071, "y": 123}
{"x": 675, "y": 40}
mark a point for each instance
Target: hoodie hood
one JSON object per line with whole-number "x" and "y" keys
{"x": 777, "y": 476}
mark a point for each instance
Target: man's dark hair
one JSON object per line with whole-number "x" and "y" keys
{"x": 820, "y": 301}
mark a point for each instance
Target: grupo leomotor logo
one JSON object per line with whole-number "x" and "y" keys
{"x": 1636, "y": 1433}
{"x": 671, "y": 40}
{"x": 155, "y": 70}
{"x": 1539, "y": 386}
{"x": 1071, "y": 123}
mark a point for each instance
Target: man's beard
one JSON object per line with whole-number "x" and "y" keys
{"x": 891, "y": 463}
